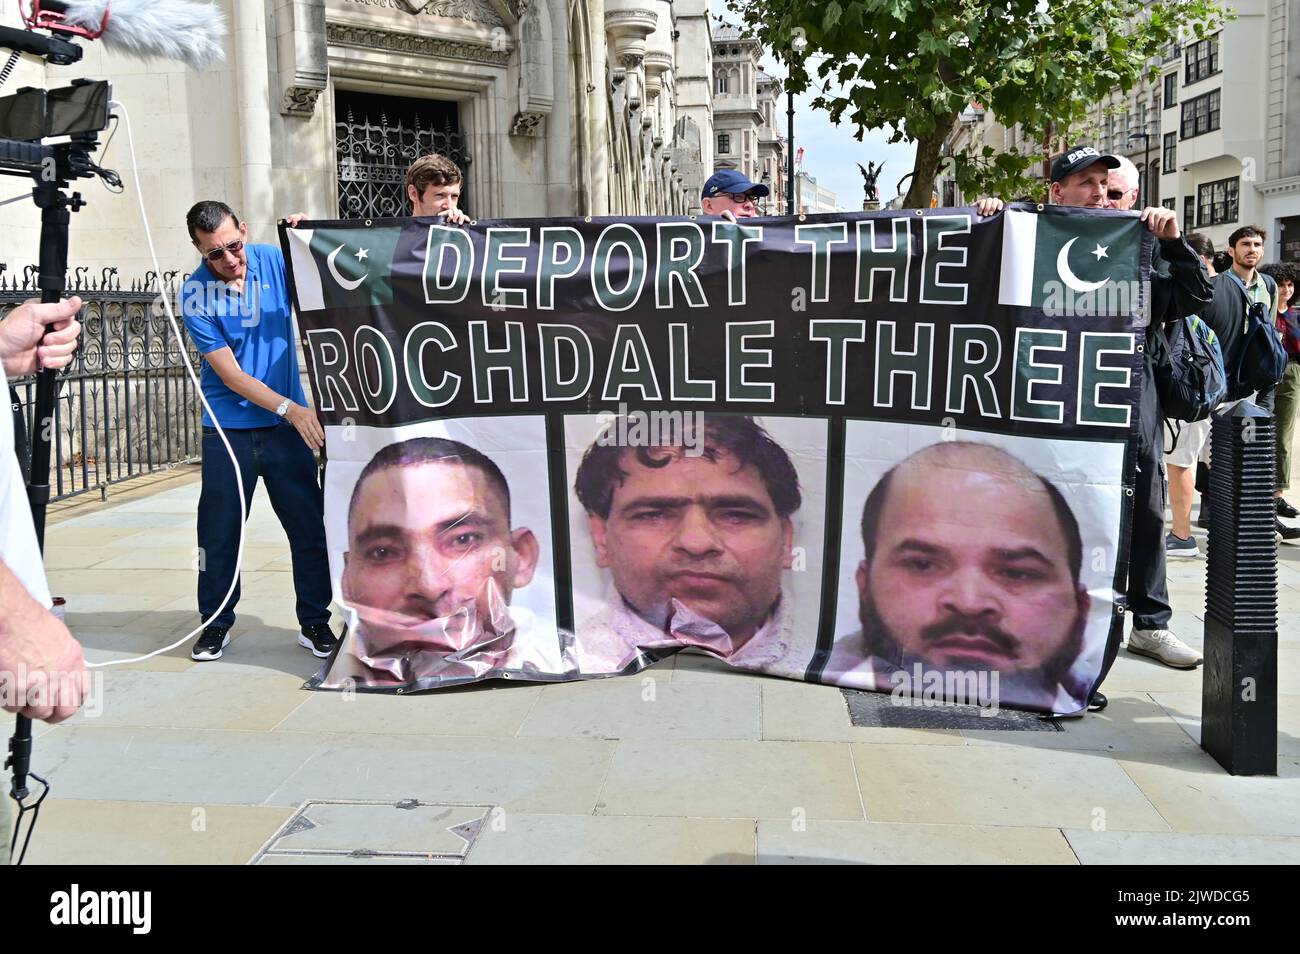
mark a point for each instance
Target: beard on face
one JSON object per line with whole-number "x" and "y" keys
{"x": 878, "y": 641}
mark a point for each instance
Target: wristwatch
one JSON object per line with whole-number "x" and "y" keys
{"x": 283, "y": 409}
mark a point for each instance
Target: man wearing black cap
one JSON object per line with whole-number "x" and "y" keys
{"x": 729, "y": 194}
{"x": 1179, "y": 287}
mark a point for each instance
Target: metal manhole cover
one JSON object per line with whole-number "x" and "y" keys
{"x": 336, "y": 831}
{"x": 882, "y": 710}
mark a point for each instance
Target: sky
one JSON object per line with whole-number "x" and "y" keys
{"x": 831, "y": 153}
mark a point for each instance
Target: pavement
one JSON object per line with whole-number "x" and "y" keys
{"x": 232, "y": 761}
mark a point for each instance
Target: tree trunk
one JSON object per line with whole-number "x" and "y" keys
{"x": 926, "y": 167}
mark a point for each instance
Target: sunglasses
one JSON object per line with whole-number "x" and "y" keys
{"x": 741, "y": 197}
{"x": 217, "y": 254}
{"x": 1116, "y": 194}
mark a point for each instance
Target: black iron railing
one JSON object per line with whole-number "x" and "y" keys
{"x": 125, "y": 404}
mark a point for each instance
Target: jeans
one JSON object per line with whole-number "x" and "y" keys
{"x": 278, "y": 456}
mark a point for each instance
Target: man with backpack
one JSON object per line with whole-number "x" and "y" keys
{"x": 1242, "y": 314}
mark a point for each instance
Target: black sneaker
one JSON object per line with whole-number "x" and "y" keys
{"x": 1203, "y": 519}
{"x": 1286, "y": 534}
{"x": 319, "y": 638}
{"x": 1284, "y": 509}
{"x": 211, "y": 643}
{"x": 1097, "y": 702}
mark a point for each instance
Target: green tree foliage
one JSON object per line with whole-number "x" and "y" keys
{"x": 915, "y": 65}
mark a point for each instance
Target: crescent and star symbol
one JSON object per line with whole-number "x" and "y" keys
{"x": 349, "y": 285}
{"x": 1067, "y": 274}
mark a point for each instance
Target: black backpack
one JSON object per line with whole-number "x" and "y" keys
{"x": 1188, "y": 364}
{"x": 1259, "y": 360}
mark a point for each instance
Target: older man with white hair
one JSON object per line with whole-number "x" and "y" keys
{"x": 1122, "y": 186}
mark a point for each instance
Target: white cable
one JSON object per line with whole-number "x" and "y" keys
{"x": 198, "y": 385}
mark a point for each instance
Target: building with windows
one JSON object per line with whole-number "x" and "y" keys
{"x": 746, "y": 114}
{"x": 551, "y": 108}
{"x": 1216, "y": 133}
{"x": 811, "y": 198}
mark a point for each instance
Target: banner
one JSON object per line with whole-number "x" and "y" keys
{"x": 881, "y": 450}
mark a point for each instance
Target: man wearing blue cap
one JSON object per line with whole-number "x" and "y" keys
{"x": 729, "y": 194}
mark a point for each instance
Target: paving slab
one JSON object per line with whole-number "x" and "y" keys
{"x": 638, "y": 707}
{"x": 1131, "y": 722}
{"x": 1194, "y": 794}
{"x": 93, "y": 832}
{"x": 468, "y": 711}
{"x": 561, "y": 776}
{"x": 721, "y": 779}
{"x": 183, "y": 558}
{"x": 1176, "y": 848}
{"x": 195, "y": 699}
{"x": 999, "y": 784}
{"x": 197, "y": 767}
{"x": 585, "y": 839}
{"x": 1185, "y": 709}
{"x": 882, "y": 843}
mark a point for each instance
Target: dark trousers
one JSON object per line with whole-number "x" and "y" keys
{"x": 278, "y": 456}
{"x": 1147, "y": 589}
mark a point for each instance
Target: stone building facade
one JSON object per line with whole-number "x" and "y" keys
{"x": 551, "y": 107}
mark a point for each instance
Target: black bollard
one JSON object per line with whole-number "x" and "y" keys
{"x": 1239, "y": 688}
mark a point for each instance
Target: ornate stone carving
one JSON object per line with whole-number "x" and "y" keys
{"x": 479, "y": 11}
{"x": 527, "y": 124}
{"x": 303, "y": 57}
{"x": 418, "y": 44}
{"x": 299, "y": 101}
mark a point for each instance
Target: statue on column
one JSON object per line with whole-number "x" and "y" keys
{"x": 869, "y": 177}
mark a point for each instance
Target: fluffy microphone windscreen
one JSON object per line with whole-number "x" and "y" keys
{"x": 191, "y": 33}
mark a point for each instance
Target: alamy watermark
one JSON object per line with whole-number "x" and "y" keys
{"x": 636, "y": 428}
{"x": 934, "y": 687}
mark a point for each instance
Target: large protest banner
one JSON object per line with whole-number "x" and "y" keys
{"x": 883, "y": 450}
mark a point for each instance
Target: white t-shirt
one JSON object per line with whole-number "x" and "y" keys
{"x": 18, "y": 547}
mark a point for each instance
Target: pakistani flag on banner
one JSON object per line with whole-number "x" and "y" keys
{"x": 1080, "y": 264}
{"x": 343, "y": 268}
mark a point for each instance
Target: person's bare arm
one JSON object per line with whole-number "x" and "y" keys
{"x": 42, "y": 667}
{"x": 246, "y": 386}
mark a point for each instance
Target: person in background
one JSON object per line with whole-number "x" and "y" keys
{"x": 1286, "y": 396}
{"x": 238, "y": 312}
{"x": 1193, "y": 437}
{"x": 730, "y": 194}
{"x": 433, "y": 184}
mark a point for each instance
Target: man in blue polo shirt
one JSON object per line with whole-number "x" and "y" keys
{"x": 237, "y": 310}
